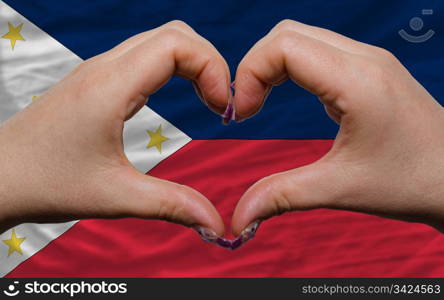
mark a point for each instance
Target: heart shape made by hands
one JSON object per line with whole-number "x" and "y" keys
{"x": 248, "y": 233}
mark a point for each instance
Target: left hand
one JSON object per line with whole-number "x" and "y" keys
{"x": 62, "y": 157}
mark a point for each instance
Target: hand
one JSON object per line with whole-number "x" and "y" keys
{"x": 64, "y": 157}
{"x": 388, "y": 157}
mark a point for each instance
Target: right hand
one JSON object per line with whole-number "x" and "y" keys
{"x": 388, "y": 157}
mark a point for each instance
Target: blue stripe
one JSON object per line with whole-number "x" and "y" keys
{"x": 233, "y": 27}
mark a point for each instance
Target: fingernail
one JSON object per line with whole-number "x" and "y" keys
{"x": 199, "y": 92}
{"x": 210, "y": 236}
{"x": 206, "y": 234}
{"x": 236, "y": 243}
{"x": 224, "y": 243}
{"x": 230, "y": 113}
{"x": 249, "y": 232}
{"x": 236, "y": 118}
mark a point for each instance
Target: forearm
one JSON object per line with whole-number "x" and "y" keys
{"x": 13, "y": 182}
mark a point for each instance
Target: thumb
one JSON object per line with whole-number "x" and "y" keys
{"x": 313, "y": 186}
{"x": 134, "y": 194}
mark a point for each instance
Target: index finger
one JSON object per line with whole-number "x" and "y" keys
{"x": 315, "y": 65}
{"x": 141, "y": 67}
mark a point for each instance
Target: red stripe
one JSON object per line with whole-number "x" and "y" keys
{"x": 305, "y": 244}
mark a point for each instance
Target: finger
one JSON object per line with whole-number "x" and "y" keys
{"x": 327, "y": 36}
{"x": 132, "y": 194}
{"x": 309, "y": 187}
{"x": 315, "y": 65}
{"x": 142, "y": 37}
{"x": 147, "y": 66}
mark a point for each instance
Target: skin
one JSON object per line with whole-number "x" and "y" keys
{"x": 64, "y": 157}
{"x": 388, "y": 157}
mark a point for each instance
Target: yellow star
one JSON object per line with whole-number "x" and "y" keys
{"x": 14, "y": 34}
{"x": 156, "y": 139}
{"x": 14, "y": 244}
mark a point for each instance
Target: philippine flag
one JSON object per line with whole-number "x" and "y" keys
{"x": 42, "y": 41}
